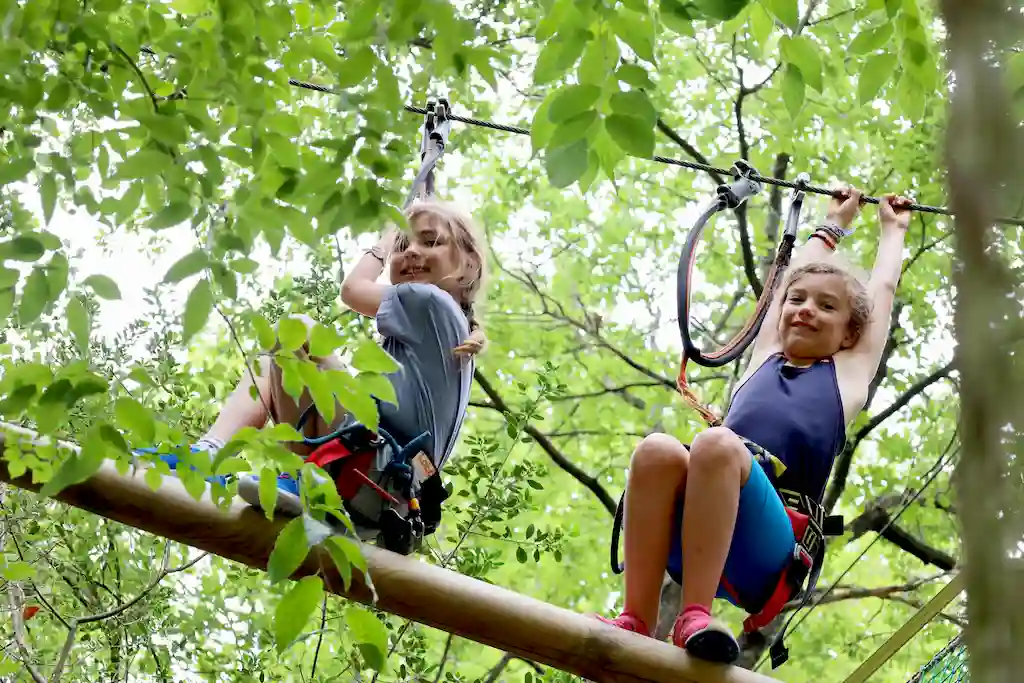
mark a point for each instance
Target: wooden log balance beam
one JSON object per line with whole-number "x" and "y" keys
{"x": 406, "y": 586}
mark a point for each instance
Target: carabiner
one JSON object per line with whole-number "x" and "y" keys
{"x": 796, "y": 203}
{"x": 742, "y": 187}
{"x": 436, "y": 129}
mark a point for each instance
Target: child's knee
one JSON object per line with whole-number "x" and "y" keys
{"x": 717, "y": 448}
{"x": 659, "y": 455}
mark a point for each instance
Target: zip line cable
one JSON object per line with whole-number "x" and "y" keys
{"x": 692, "y": 165}
{"x": 930, "y": 477}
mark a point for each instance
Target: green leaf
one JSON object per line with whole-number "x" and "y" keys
{"x": 634, "y": 103}
{"x": 295, "y": 609}
{"x": 802, "y": 53}
{"x": 721, "y": 9}
{"x": 792, "y": 90}
{"x": 320, "y": 389}
{"x": 542, "y": 127}
{"x": 871, "y": 39}
{"x": 290, "y": 550}
{"x": 48, "y": 196}
{"x": 635, "y": 76}
{"x": 572, "y": 100}
{"x": 340, "y": 559}
{"x": 633, "y": 135}
{"x": 16, "y": 170}
{"x": 637, "y": 31}
{"x": 324, "y": 340}
{"x": 875, "y": 73}
{"x": 786, "y": 11}
{"x": 34, "y": 297}
{"x": 78, "y": 467}
{"x": 79, "y": 323}
{"x": 676, "y": 15}
{"x": 575, "y": 128}
{"x": 133, "y": 415}
{"x": 264, "y": 333}
{"x": 521, "y": 554}
{"x": 600, "y": 58}
{"x": 268, "y": 491}
{"x": 371, "y": 635}
{"x": 26, "y": 248}
{"x": 370, "y": 357}
{"x": 17, "y": 571}
{"x": 291, "y": 332}
{"x": 356, "y": 68}
{"x": 761, "y": 25}
{"x": 198, "y": 307}
{"x": 187, "y": 265}
{"x": 566, "y": 164}
{"x": 104, "y": 286}
{"x": 189, "y": 7}
{"x": 379, "y": 386}
{"x": 171, "y": 215}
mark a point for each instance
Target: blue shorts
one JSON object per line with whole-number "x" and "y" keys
{"x": 762, "y": 542}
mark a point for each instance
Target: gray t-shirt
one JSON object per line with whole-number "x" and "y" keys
{"x": 422, "y": 324}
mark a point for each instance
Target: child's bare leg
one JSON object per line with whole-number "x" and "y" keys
{"x": 719, "y": 466}
{"x": 657, "y": 476}
{"x": 242, "y": 409}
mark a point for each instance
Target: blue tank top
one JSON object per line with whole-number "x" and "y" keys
{"x": 797, "y": 415}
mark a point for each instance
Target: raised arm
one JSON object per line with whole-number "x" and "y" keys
{"x": 893, "y": 217}
{"x": 841, "y": 214}
{"x": 360, "y": 291}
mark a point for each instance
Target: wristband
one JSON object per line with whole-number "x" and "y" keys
{"x": 373, "y": 252}
{"x": 825, "y": 236}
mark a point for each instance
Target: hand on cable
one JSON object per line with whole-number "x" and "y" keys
{"x": 893, "y": 212}
{"x": 843, "y": 210}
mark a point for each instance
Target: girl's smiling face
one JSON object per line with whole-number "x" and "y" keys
{"x": 815, "y": 318}
{"x": 426, "y": 253}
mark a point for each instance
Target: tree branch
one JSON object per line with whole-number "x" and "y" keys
{"x": 877, "y": 518}
{"x": 75, "y": 623}
{"x": 548, "y": 446}
{"x": 16, "y": 601}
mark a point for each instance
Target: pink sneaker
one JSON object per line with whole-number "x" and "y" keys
{"x": 704, "y": 637}
{"x": 627, "y": 621}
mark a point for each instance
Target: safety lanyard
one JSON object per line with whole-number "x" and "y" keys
{"x": 730, "y": 196}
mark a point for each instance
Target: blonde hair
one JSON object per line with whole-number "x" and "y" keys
{"x": 857, "y": 293}
{"x": 472, "y": 272}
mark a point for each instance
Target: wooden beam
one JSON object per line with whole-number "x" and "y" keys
{"x": 405, "y": 586}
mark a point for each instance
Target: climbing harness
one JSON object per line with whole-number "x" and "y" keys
{"x": 389, "y": 488}
{"x": 730, "y": 196}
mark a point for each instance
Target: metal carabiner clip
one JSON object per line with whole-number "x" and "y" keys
{"x": 436, "y": 129}
{"x": 796, "y": 203}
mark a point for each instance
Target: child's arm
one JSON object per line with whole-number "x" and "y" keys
{"x": 842, "y": 213}
{"x": 360, "y": 291}
{"x": 865, "y": 355}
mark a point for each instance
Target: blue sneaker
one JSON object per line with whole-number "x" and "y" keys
{"x": 288, "y": 499}
{"x": 172, "y": 461}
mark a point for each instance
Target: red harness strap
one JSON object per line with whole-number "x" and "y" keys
{"x": 810, "y": 537}
{"x": 352, "y": 473}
